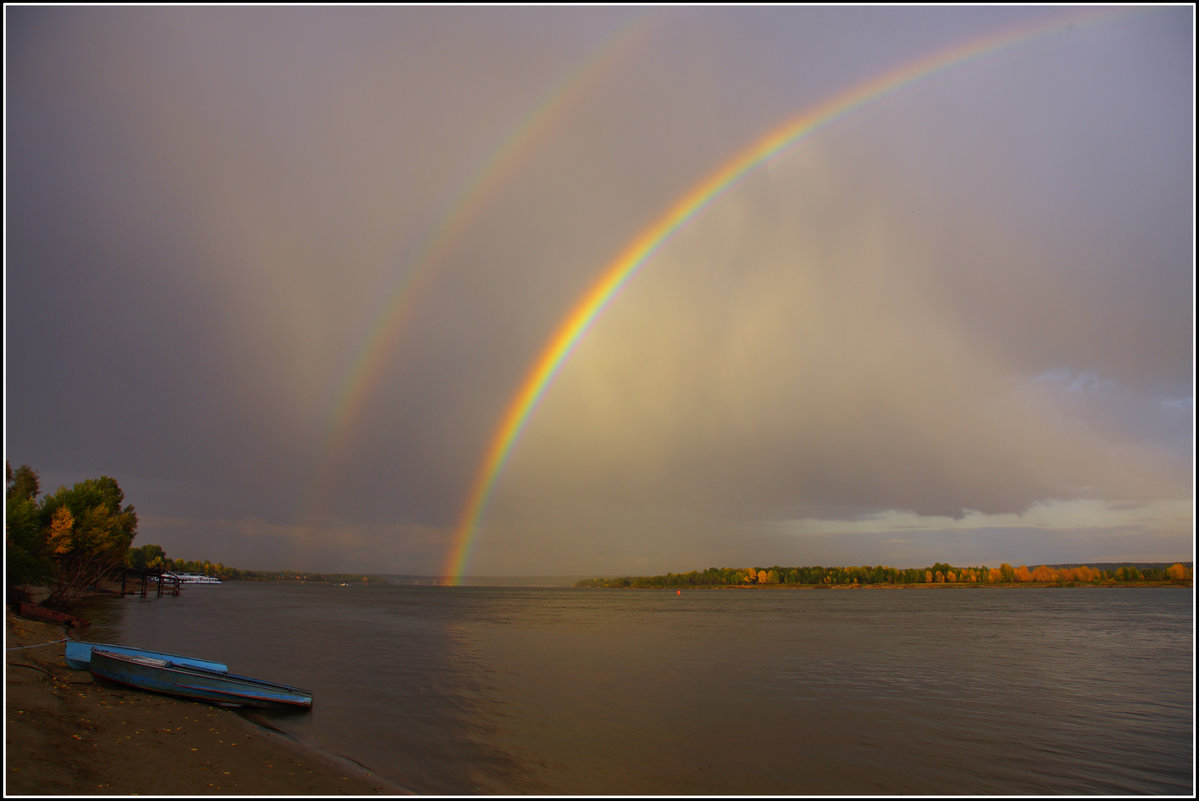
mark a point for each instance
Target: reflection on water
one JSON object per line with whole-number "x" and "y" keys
{"x": 510, "y": 690}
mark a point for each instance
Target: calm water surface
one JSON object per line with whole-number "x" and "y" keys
{"x": 563, "y": 691}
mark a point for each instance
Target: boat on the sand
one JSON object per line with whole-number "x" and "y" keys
{"x": 188, "y": 681}
{"x": 35, "y": 612}
{"x": 79, "y": 655}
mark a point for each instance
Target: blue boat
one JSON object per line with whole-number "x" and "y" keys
{"x": 79, "y": 655}
{"x": 189, "y": 681}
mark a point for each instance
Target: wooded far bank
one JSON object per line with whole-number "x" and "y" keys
{"x": 940, "y": 573}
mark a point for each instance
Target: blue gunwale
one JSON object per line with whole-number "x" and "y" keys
{"x": 79, "y": 655}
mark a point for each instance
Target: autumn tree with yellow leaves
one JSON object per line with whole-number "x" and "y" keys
{"x": 71, "y": 539}
{"x": 1178, "y": 572}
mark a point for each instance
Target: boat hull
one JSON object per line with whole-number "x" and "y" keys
{"x": 79, "y": 655}
{"x": 226, "y": 689}
{"x": 35, "y": 612}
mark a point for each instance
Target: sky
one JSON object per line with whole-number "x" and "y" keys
{"x": 294, "y": 276}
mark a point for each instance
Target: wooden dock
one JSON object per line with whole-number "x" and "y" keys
{"x": 160, "y": 579}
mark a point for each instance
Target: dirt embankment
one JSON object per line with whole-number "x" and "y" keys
{"x": 68, "y": 734}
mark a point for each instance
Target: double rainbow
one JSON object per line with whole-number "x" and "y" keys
{"x": 401, "y": 301}
{"x": 635, "y": 255}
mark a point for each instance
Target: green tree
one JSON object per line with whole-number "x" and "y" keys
{"x": 26, "y": 560}
{"x": 148, "y": 556}
{"x": 1128, "y": 573}
{"x": 24, "y": 484}
{"x": 89, "y": 532}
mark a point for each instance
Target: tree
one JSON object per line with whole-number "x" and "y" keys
{"x": 24, "y": 484}
{"x": 26, "y": 560}
{"x": 1045, "y": 574}
{"x": 1128, "y": 573}
{"x": 60, "y": 537}
{"x": 1178, "y": 572}
{"x": 88, "y": 534}
{"x": 148, "y": 556}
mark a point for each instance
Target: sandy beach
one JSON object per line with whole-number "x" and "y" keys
{"x": 68, "y": 734}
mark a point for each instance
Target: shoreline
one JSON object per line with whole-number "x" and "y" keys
{"x": 67, "y": 734}
{"x": 1011, "y": 585}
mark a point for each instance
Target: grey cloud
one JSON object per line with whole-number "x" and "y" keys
{"x": 212, "y": 210}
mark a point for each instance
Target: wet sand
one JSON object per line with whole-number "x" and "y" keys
{"x": 69, "y": 734}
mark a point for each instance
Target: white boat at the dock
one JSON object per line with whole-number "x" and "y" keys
{"x": 193, "y": 578}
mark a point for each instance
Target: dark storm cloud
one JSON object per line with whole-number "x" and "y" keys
{"x": 971, "y": 298}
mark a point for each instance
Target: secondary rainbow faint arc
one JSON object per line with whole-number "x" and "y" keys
{"x": 366, "y": 369}
{"x": 618, "y": 273}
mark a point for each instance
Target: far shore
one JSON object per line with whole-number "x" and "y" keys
{"x": 1012, "y": 585}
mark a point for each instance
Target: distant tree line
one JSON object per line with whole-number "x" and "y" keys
{"x": 939, "y": 573}
{"x": 152, "y": 557}
{"x": 292, "y": 575}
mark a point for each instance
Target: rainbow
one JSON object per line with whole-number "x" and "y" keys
{"x": 634, "y": 256}
{"x": 384, "y": 335}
